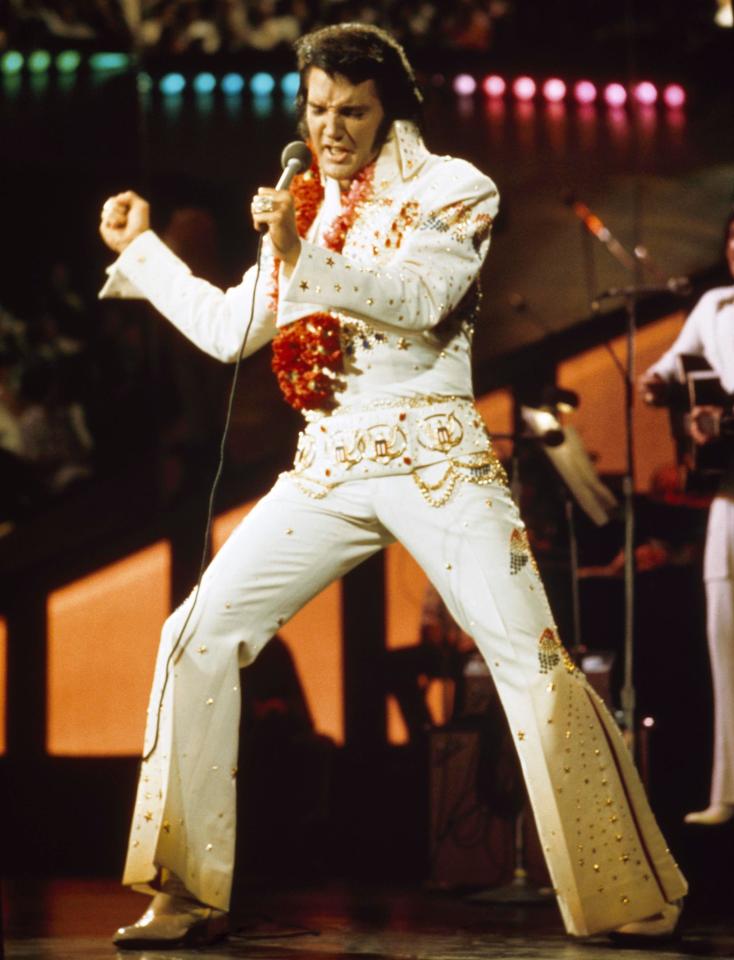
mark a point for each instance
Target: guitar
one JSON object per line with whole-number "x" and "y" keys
{"x": 699, "y": 386}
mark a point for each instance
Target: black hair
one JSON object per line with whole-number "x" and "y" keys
{"x": 727, "y": 227}
{"x": 361, "y": 52}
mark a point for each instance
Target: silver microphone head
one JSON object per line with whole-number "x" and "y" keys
{"x": 296, "y": 152}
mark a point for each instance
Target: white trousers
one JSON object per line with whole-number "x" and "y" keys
{"x": 719, "y": 579}
{"x": 608, "y": 861}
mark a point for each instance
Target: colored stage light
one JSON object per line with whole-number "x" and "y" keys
{"x": 12, "y": 62}
{"x": 68, "y": 61}
{"x": 262, "y": 84}
{"x": 584, "y": 91}
{"x": 494, "y": 86}
{"x": 524, "y": 88}
{"x": 554, "y": 90}
{"x": 464, "y": 85}
{"x": 615, "y": 95}
{"x": 172, "y": 83}
{"x": 204, "y": 82}
{"x": 645, "y": 93}
{"x": 290, "y": 83}
{"x": 232, "y": 83}
{"x": 674, "y": 96}
{"x": 39, "y": 61}
{"x": 109, "y": 61}
{"x": 144, "y": 82}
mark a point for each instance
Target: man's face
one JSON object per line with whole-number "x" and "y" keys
{"x": 342, "y": 120}
{"x": 730, "y": 248}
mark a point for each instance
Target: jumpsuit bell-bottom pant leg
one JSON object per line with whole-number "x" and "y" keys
{"x": 719, "y": 583}
{"x": 608, "y": 861}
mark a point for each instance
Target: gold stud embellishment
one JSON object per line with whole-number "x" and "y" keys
{"x": 551, "y": 652}
{"x": 520, "y": 552}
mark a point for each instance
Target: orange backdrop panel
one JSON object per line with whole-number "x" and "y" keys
{"x": 102, "y": 639}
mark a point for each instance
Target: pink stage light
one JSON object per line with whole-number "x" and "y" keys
{"x": 615, "y": 95}
{"x": 464, "y": 85}
{"x": 645, "y": 93}
{"x": 494, "y": 86}
{"x": 584, "y": 91}
{"x": 554, "y": 90}
{"x": 674, "y": 96}
{"x": 524, "y": 88}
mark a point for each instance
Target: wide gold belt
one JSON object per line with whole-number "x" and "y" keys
{"x": 391, "y": 437}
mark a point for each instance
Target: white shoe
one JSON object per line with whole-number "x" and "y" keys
{"x": 662, "y": 925}
{"x": 712, "y": 816}
{"x": 173, "y": 920}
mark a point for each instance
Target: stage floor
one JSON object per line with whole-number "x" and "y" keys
{"x": 73, "y": 919}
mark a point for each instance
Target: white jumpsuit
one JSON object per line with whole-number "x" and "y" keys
{"x": 403, "y": 456}
{"x": 709, "y": 332}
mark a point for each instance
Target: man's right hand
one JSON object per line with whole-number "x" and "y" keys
{"x": 124, "y": 217}
{"x": 654, "y": 389}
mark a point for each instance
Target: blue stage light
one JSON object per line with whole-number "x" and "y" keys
{"x": 232, "y": 83}
{"x": 289, "y": 84}
{"x": 172, "y": 83}
{"x": 109, "y": 61}
{"x": 204, "y": 82}
{"x": 262, "y": 84}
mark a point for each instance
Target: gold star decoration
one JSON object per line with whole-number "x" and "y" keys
{"x": 329, "y": 261}
{"x": 304, "y": 285}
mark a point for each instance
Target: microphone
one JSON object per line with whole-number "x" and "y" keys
{"x": 295, "y": 158}
{"x": 553, "y": 438}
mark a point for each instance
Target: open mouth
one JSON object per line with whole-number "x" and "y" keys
{"x": 337, "y": 154}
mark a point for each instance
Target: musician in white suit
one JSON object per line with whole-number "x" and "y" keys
{"x": 709, "y": 332}
{"x": 369, "y": 295}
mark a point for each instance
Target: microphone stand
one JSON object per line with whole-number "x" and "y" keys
{"x": 632, "y": 262}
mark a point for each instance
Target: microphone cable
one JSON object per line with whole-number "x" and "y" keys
{"x": 179, "y": 647}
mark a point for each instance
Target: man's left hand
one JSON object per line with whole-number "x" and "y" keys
{"x": 275, "y": 209}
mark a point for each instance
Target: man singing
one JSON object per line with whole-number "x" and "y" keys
{"x": 369, "y": 294}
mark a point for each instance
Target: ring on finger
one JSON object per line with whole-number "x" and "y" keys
{"x": 262, "y": 204}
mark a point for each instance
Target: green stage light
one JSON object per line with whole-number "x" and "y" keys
{"x": 12, "y": 62}
{"x": 39, "y": 61}
{"x": 109, "y": 61}
{"x": 68, "y": 61}
{"x": 144, "y": 82}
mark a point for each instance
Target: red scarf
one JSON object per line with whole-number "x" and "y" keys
{"x": 304, "y": 350}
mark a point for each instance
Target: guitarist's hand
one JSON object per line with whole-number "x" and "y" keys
{"x": 654, "y": 389}
{"x": 705, "y": 423}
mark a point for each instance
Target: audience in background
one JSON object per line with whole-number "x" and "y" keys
{"x": 166, "y": 27}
